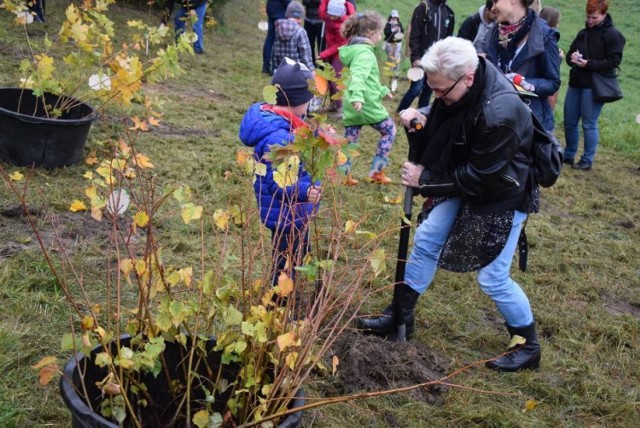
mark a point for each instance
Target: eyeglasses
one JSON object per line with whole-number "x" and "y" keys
{"x": 444, "y": 92}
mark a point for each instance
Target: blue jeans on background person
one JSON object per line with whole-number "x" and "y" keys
{"x": 417, "y": 88}
{"x": 579, "y": 105}
{"x": 494, "y": 279}
{"x": 180, "y": 21}
{"x": 267, "y": 49}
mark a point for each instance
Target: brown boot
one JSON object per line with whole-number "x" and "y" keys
{"x": 378, "y": 177}
{"x": 350, "y": 181}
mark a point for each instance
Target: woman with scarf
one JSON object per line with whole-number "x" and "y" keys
{"x": 472, "y": 164}
{"x": 525, "y": 49}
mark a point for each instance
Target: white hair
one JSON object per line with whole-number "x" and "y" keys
{"x": 453, "y": 57}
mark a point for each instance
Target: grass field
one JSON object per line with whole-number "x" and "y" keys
{"x": 583, "y": 279}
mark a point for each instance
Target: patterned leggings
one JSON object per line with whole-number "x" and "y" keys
{"x": 387, "y": 130}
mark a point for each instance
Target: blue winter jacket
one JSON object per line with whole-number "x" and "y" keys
{"x": 538, "y": 62}
{"x": 279, "y": 207}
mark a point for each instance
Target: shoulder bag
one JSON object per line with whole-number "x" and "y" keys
{"x": 605, "y": 87}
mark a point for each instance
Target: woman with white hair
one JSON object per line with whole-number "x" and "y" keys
{"x": 472, "y": 162}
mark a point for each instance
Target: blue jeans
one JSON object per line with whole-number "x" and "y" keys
{"x": 494, "y": 279}
{"x": 417, "y": 88}
{"x": 579, "y": 104}
{"x": 267, "y": 49}
{"x": 180, "y": 22}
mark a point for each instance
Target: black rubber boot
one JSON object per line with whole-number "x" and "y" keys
{"x": 523, "y": 357}
{"x": 385, "y": 324}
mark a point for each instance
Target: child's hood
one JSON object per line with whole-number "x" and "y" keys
{"x": 257, "y": 127}
{"x": 355, "y": 46}
{"x": 286, "y": 29}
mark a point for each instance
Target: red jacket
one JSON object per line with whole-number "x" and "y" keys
{"x": 332, "y": 30}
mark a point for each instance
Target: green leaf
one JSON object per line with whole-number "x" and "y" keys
{"x": 67, "y": 342}
{"x": 269, "y": 94}
{"x": 248, "y": 328}
{"x": 232, "y": 316}
{"x": 163, "y": 321}
{"x": 103, "y": 359}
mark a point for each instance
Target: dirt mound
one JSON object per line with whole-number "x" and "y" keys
{"x": 370, "y": 363}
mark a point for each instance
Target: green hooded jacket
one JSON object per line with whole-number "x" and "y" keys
{"x": 363, "y": 84}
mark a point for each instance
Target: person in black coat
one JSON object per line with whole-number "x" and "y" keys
{"x": 313, "y": 26}
{"x": 596, "y": 49}
{"x": 275, "y": 11}
{"x": 473, "y": 164}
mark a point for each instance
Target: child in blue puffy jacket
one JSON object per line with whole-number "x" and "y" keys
{"x": 285, "y": 210}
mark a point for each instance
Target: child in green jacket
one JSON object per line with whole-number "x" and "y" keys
{"x": 363, "y": 94}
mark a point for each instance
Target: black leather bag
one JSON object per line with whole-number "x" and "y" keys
{"x": 605, "y": 87}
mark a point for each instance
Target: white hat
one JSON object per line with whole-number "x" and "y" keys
{"x": 336, "y": 8}
{"x": 394, "y": 14}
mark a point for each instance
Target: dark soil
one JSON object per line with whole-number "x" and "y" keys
{"x": 372, "y": 364}
{"x": 59, "y": 231}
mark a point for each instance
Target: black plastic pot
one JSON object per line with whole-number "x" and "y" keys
{"x": 28, "y": 137}
{"x": 80, "y": 370}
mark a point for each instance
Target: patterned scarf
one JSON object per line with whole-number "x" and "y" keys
{"x": 509, "y": 37}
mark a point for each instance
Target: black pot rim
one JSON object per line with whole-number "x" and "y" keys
{"x": 51, "y": 121}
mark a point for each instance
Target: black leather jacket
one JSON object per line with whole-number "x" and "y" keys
{"x": 491, "y": 153}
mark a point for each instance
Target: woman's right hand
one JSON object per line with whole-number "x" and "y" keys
{"x": 357, "y": 105}
{"x": 408, "y": 115}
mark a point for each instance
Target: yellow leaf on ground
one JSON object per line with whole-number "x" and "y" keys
{"x": 77, "y": 205}
{"x": 153, "y": 121}
{"x": 46, "y": 374}
{"x": 393, "y": 200}
{"x": 349, "y": 226}
{"x": 16, "y": 176}
{"x": 91, "y": 159}
{"x": 529, "y": 406}
{"x": 44, "y": 361}
{"x": 335, "y": 361}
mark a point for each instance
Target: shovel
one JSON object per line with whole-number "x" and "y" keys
{"x": 403, "y": 246}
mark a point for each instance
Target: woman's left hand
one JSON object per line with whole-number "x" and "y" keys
{"x": 411, "y": 174}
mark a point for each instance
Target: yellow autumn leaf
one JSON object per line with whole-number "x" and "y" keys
{"x": 341, "y": 158}
{"x": 242, "y": 156}
{"x": 517, "y": 341}
{"x": 153, "y": 121}
{"x": 201, "y": 419}
{"x": 529, "y": 406}
{"x": 46, "y": 374}
{"x": 96, "y": 213}
{"x": 378, "y": 261}
{"x": 221, "y": 219}
{"x": 139, "y": 124}
{"x": 91, "y": 192}
{"x": 285, "y": 285}
{"x": 191, "y": 212}
{"x": 349, "y": 226}
{"x": 140, "y": 266}
{"x": 393, "y": 200}
{"x": 142, "y": 161}
{"x": 126, "y": 266}
{"x": 291, "y": 359}
{"x": 285, "y": 340}
{"x": 335, "y": 362}
{"x": 44, "y": 361}
{"x": 286, "y": 174}
{"x": 16, "y": 176}
{"x": 87, "y": 323}
{"x": 91, "y": 160}
{"x": 141, "y": 218}
{"x": 260, "y": 169}
{"x": 88, "y": 175}
{"x": 77, "y": 205}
